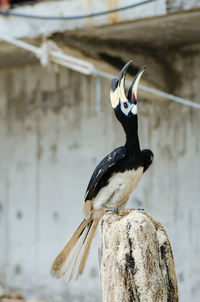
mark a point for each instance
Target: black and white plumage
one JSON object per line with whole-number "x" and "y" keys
{"x": 113, "y": 180}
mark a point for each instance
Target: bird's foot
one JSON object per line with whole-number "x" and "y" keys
{"x": 140, "y": 209}
{"x": 115, "y": 210}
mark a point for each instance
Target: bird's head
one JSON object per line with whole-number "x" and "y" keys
{"x": 125, "y": 106}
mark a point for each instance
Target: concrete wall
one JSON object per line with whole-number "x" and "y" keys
{"x": 54, "y": 130}
{"x": 14, "y": 27}
{"x": 179, "y": 5}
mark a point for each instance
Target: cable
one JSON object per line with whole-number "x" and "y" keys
{"x": 50, "y": 52}
{"x": 170, "y": 97}
{"x": 154, "y": 91}
{"x": 75, "y": 17}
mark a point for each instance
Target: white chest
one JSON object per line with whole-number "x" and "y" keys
{"x": 120, "y": 186}
{"x": 126, "y": 182}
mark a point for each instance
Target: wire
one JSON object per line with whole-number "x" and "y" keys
{"x": 75, "y": 17}
{"x": 170, "y": 97}
{"x": 50, "y": 52}
{"x": 155, "y": 91}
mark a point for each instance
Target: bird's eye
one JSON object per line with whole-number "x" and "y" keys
{"x": 125, "y": 105}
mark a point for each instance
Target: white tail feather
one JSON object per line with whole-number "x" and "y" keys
{"x": 87, "y": 245}
{"x": 77, "y": 249}
{"x": 84, "y": 246}
{"x": 80, "y": 249}
{"x": 66, "y": 264}
{"x": 62, "y": 257}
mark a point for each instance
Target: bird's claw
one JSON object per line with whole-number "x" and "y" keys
{"x": 140, "y": 209}
{"x": 115, "y": 210}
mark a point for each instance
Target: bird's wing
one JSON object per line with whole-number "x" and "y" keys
{"x": 103, "y": 167}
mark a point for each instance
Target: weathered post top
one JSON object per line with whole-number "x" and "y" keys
{"x": 135, "y": 259}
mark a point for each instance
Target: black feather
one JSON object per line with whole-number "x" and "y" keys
{"x": 103, "y": 167}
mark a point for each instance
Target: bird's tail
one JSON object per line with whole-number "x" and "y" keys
{"x": 76, "y": 250}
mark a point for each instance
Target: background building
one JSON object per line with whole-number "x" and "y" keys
{"x": 56, "y": 124}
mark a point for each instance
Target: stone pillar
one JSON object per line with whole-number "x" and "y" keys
{"x": 135, "y": 259}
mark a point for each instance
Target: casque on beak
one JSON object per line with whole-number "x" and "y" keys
{"x": 117, "y": 91}
{"x": 132, "y": 93}
{"x": 121, "y": 82}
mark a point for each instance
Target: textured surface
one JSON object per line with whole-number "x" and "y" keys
{"x": 135, "y": 259}
{"x": 35, "y": 28}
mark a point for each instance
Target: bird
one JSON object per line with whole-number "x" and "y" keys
{"x": 112, "y": 181}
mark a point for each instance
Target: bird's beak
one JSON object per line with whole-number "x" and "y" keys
{"x": 121, "y": 82}
{"x": 117, "y": 91}
{"x": 132, "y": 93}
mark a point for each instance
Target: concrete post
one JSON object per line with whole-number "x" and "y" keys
{"x": 135, "y": 259}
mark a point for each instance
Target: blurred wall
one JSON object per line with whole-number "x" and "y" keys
{"x": 54, "y": 129}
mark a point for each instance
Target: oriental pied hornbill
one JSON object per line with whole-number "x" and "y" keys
{"x": 113, "y": 180}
